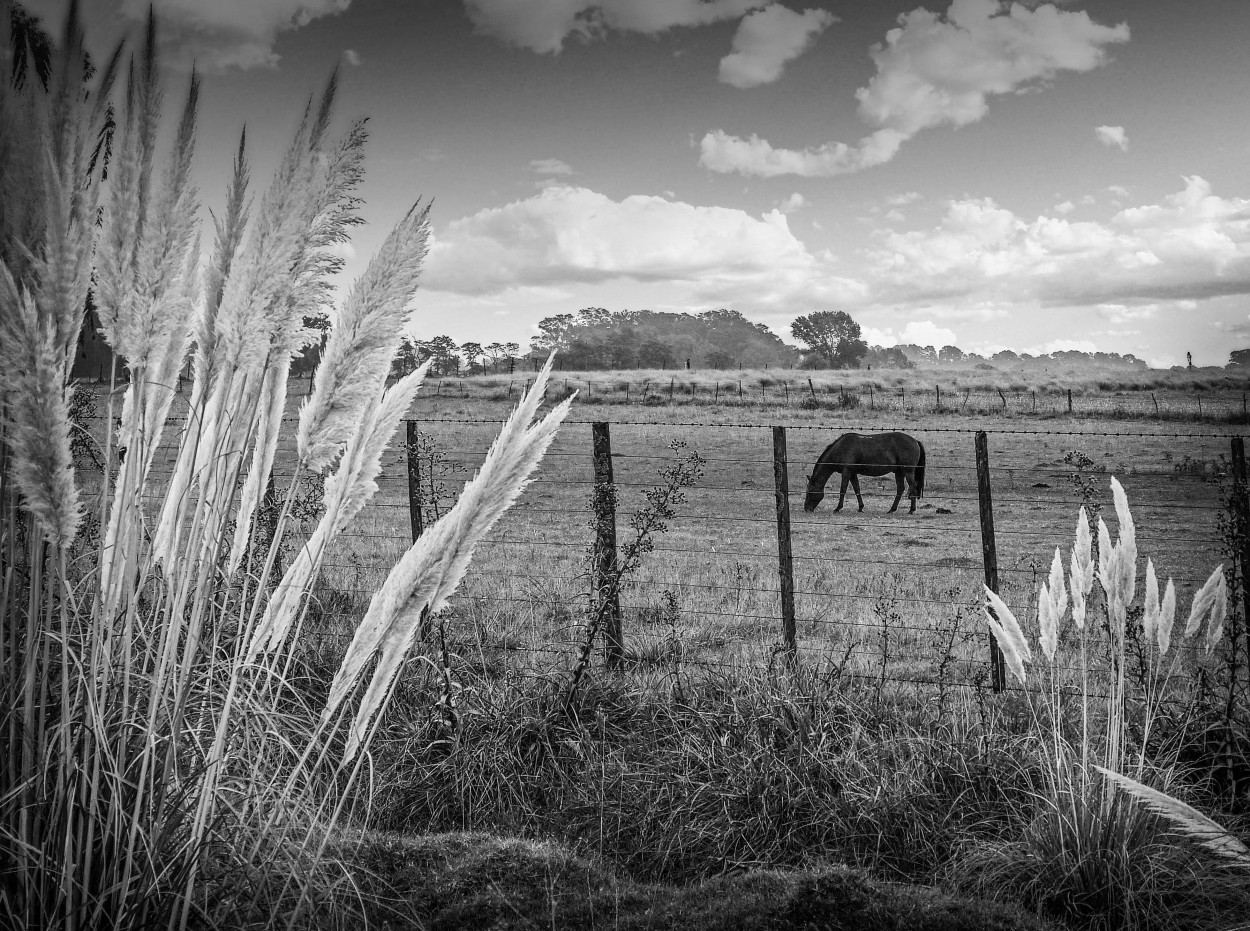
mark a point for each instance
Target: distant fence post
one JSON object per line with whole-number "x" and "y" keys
{"x": 811, "y": 388}
{"x": 607, "y": 594}
{"x": 937, "y": 390}
{"x": 989, "y": 551}
{"x": 414, "y": 483}
{"x": 1241, "y": 495}
{"x": 785, "y": 557}
{"x": 1069, "y": 400}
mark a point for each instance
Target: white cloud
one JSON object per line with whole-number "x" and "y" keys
{"x": 902, "y": 200}
{"x": 224, "y": 33}
{"x": 543, "y": 25}
{"x": 795, "y": 201}
{"x": 352, "y": 57}
{"x": 569, "y": 235}
{"x": 1061, "y": 345}
{"x": 1121, "y": 314}
{"x": 1064, "y": 208}
{"x": 722, "y": 152}
{"x": 935, "y": 70}
{"x": 1112, "y": 136}
{"x": 919, "y": 332}
{"x": 1118, "y": 191}
{"x": 769, "y": 38}
{"x": 550, "y": 166}
{"x": 1194, "y": 245}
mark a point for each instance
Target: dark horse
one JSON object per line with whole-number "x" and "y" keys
{"x": 854, "y": 455}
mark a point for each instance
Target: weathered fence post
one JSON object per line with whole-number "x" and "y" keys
{"x": 716, "y": 395}
{"x": 785, "y": 558}
{"x": 1156, "y": 402}
{"x": 607, "y": 594}
{"x": 1004, "y": 397}
{"x": 811, "y": 388}
{"x": 872, "y": 403}
{"x": 671, "y": 383}
{"x": 989, "y": 552}
{"x": 1241, "y": 497}
{"x": 414, "y": 482}
{"x": 1069, "y": 400}
{"x": 937, "y": 390}
{"x": 1199, "y": 407}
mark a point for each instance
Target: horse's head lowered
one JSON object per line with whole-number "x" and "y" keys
{"x": 815, "y": 494}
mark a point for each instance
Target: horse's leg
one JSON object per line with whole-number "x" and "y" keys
{"x": 855, "y": 485}
{"x": 846, "y": 477}
{"x": 911, "y": 489}
{"x": 898, "y": 491}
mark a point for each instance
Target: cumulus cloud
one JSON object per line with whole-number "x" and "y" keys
{"x": 1194, "y": 245}
{"x": 767, "y": 39}
{"x": 795, "y": 201}
{"x": 224, "y": 33}
{"x": 919, "y": 332}
{"x": 570, "y": 235}
{"x": 352, "y": 57}
{"x": 1112, "y": 136}
{"x": 543, "y": 25}
{"x": 935, "y": 70}
{"x": 1065, "y": 208}
{"x": 550, "y": 166}
{"x": 902, "y": 200}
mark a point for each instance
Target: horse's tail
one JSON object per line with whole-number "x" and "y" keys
{"x": 920, "y": 472}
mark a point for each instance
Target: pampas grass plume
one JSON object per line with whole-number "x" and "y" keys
{"x": 1007, "y": 632}
{"x": 1167, "y": 618}
{"x": 428, "y": 574}
{"x": 1185, "y": 818}
{"x": 1203, "y": 601}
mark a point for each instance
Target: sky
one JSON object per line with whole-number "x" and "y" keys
{"x": 1027, "y": 176}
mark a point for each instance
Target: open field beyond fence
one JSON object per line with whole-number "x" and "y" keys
{"x": 887, "y": 596}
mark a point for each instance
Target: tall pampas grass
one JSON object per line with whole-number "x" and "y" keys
{"x": 1090, "y": 843}
{"x": 154, "y": 736}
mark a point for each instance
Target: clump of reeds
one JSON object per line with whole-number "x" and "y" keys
{"x": 153, "y": 738}
{"x": 1091, "y": 853}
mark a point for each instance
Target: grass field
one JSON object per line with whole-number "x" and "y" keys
{"x": 884, "y": 748}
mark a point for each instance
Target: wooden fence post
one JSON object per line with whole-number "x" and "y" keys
{"x": 989, "y": 552}
{"x": 811, "y": 388}
{"x": 1069, "y": 400}
{"x": 415, "y": 517}
{"x": 671, "y": 383}
{"x": 872, "y": 403}
{"x": 606, "y": 593}
{"x": 937, "y": 390}
{"x": 785, "y": 558}
{"x": 1241, "y": 498}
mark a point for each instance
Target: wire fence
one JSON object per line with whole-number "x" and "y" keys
{"x": 889, "y": 595}
{"x": 892, "y": 595}
{"x": 1227, "y": 401}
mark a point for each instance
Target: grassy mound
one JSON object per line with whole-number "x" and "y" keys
{"x": 451, "y": 881}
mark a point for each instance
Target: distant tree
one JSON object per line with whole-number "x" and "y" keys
{"x": 891, "y": 357}
{"x": 472, "y": 352}
{"x": 950, "y": 354}
{"x": 511, "y": 352}
{"x": 407, "y": 358}
{"x": 1005, "y": 356}
{"x": 919, "y": 355}
{"x": 443, "y": 349}
{"x": 719, "y": 359}
{"x": 1239, "y": 357}
{"x": 832, "y": 335}
{"x": 317, "y": 331}
{"x": 495, "y": 351}
{"x": 552, "y": 332}
{"x": 654, "y": 354}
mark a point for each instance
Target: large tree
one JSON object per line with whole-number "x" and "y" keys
{"x": 833, "y": 336}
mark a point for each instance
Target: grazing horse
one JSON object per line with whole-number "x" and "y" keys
{"x": 853, "y": 455}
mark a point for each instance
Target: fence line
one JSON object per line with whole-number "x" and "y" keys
{"x": 818, "y": 600}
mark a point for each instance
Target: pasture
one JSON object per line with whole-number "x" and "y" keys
{"x": 872, "y": 588}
